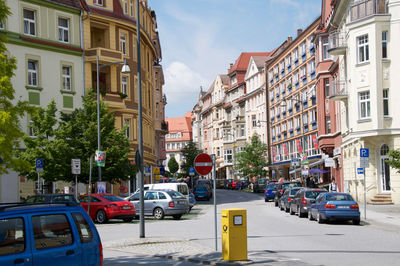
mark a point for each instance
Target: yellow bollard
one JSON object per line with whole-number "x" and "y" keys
{"x": 234, "y": 234}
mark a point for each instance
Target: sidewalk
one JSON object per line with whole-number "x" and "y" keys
{"x": 382, "y": 215}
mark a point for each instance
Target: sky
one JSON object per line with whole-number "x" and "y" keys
{"x": 200, "y": 38}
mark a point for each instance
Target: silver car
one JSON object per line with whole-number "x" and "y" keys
{"x": 159, "y": 203}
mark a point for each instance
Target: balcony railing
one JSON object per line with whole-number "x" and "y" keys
{"x": 337, "y": 43}
{"x": 367, "y": 8}
{"x": 339, "y": 90}
{"x": 105, "y": 55}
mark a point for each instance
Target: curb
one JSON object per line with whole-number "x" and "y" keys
{"x": 218, "y": 262}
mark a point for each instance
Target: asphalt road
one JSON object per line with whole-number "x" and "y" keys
{"x": 271, "y": 231}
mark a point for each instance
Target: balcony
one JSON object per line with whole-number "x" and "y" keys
{"x": 337, "y": 43}
{"x": 339, "y": 90}
{"x": 367, "y": 8}
{"x": 164, "y": 125}
{"x": 105, "y": 55}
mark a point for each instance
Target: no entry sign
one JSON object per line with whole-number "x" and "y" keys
{"x": 203, "y": 164}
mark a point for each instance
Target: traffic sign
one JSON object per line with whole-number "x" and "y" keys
{"x": 360, "y": 171}
{"x": 364, "y": 152}
{"x": 203, "y": 164}
{"x": 364, "y": 162}
{"x": 76, "y": 166}
{"x": 191, "y": 171}
{"x": 329, "y": 162}
{"x": 39, "y": 165}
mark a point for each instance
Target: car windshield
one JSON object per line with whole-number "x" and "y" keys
{"x": 313, "y": 194}
{"x": 112, "y": 198}
{"x": 339, "y": 197}
{"x": 175, "y": 195}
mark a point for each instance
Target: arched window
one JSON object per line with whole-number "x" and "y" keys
{"x": 384, "y": 149}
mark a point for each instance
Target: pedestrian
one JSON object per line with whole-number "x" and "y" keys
{"x": 333, "y": 186}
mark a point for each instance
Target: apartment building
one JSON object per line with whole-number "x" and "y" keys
{"x": 291, "y": 96}
{"x": 366, "y": 41}
{"x": 45, "y": 39}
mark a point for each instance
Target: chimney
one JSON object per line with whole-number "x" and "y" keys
{"x": 230, "y": 66}
{"x": 299, "y": 31}
{"x": 289, "y": 39}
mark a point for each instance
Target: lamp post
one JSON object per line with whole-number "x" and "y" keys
{"x": 284, "y": 104}
{"x": 125, "y": 70}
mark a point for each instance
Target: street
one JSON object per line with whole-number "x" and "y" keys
{"x": 277, "y": 236}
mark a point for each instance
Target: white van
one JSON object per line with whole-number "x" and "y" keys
{"x": 180, "y": 187}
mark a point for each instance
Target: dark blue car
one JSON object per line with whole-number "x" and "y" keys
{"x": 201, "y": 192}
{"x": 270, "y": 190}
{"x": 335, "y": 206}
{"x": 48, "y": 234}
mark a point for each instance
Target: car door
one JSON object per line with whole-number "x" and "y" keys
{"x": 135, "y": 200}
{"x": 54, "y": 242}
{"x": 15, "y": 245}
{"x": 150, "y": 202}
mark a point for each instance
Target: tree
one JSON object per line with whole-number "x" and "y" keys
{"x": 11, "y": 110}
{"x": 173, "y": 165}
{"x": 251, "y": 161}
{"x": 75, "y": 137}
{"x": 189, "y": 152}
{"x": 394, "y": 160}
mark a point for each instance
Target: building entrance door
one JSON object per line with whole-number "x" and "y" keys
{"x": 385, "y": 174}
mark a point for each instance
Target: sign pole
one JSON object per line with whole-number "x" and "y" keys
{"x": 76, "y": 186}
{"x": 90, "y": 183}
{"x": 365, "y": 196}
{"x": 38, "y": 183}
{"x": 215, "y": 202}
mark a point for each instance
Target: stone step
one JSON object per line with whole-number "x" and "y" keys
{"x": 381, "y": 196}
{"x": 381, "y": 199}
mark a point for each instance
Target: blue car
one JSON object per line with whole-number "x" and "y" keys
{"x": 48, "y": 234}
{"x": 270, "y": 190}
{"x": 335, "y": 206}
{"x": 192, "y": 201}
{"x": 201, "y": 192}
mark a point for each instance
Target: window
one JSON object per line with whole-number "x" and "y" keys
{"x": 253, "y": 119}
{"x": 161, "y": 195}
{"x": 297, "y": 121}
{"x": 228, "y": 156}
{"x": 288, "y": 61}
{"x": 328, "y": 124}
{"x": 311, "y": 67}
{"x": 31, "y": 128}
{"x": 242, "y": 132}
{"x": 51, "y": 231}
{"x": 66, "y": 78}
{"x": 363, "y": 49}
{"x": 29, "y": 22}
{"x": 98, "y": 2}
{"x": 2, "y": 25}
{"x": 303, "y": 49}
{"x": 295, "y": 55}
{"x": 32, "y": 73}
{"x": 303, "y": 72}
{"x": 12, "y": 234}
{"x": 325, "y": 46}
{"x": 313, "y": 115}
{"x": 290, "y": 123}
{"x": 131, "y": 7}
{"x": 124, "y": 83}
{"x": 126, "y": 6}
{"x": 386, "y": 102}
{"x": 63, "y": 30}
{"x": 364, "y": 101}
{"x": 127, "y": 124}
{"x": 123, "y": 43}
{"x": 85, "y": 233}
{"x": 326, "y": 87}
{"x": 305, "y": 119}
{"x": 384, "y": 44}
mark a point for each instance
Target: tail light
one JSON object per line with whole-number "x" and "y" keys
{"x": 281, "y": 191}
{"x": 101, "y": 253}
{"x": 171, "y": 204}
{"x": 354, "y": 207}
{"x": 330, "y": 206}
{"x": 266, "y": 191}
{"x": 289, "y": 199}
{"x": 304, "y": 200}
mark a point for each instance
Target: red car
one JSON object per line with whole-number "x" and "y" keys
{"x": 106, "y": 206}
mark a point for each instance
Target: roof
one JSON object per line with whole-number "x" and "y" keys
{"x": 224, "y": 79}
{"x": 243, "y": 61}
{"x": 180, "y": 124}
{"x": 70, "y": 3}
{"x": 260, "y": 60}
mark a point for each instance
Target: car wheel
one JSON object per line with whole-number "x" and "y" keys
{"x": 291, "y": 211}
{"x": 356, "y": 221}
{"x": 128, "y": 220}
{"x": 101, "y": 217}
{"x": 158, "y": 213}
{"x": 299, "y": 212}
{"x": 319, "y": 219}
{"x": 266, "y": 200}
{"x": 286, "y": 208}
{"x": 310, "y": 216}
{"x": 177, "y": 216}
{"x": 276, "y": 203}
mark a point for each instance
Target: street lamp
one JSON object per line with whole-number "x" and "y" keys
{"x": 284, "y": 104}
{"x": 125, "y": 70}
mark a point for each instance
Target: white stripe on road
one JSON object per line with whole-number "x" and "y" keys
{"x": 203, "y": 164}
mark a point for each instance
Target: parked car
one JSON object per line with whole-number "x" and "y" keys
{"x": 228, "y": 184}
{"x": 202, "y": 192}
{"x": 270, "y": 190}
{"x": 282, "y": 186}
{"x": 242, "y": 183}
{"x": 48, "y": 234}
{"x": 192, "y": 201}
{"x": 220, "y": 183}
{"x": 180, "y": 187}
{"x": 52, "y": 198}
{"x": 303, "y": 199}
{"x": 161, "y": 203}
{"x": 335, "y": 206}
{"x": 286, "y": 199}
{"x": 259, "y": 185}
{"x": 104, "y": 206}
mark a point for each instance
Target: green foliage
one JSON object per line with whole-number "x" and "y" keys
{"x": 394, "y": 160}
{"x": 75, "y": 137}
{"x": 252, "y": 159}
{"x": 11, "y": 109}
{"x": 189, "y": 152}
{"x": 173, "y": 165}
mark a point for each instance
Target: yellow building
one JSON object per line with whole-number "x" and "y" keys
{"x": 109, "y": 30}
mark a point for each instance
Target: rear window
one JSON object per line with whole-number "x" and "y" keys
{"x": 339, "y": 197}
{"x": 175, "y": 195}
{"x": 183, "y": 189}
{"x": 65, "y": 198}
{"x": 51, "y": 231}
{"x": 313, "y": 194}
{"x": 261, "y": 181}
{"x": 293, "y": 191}
{"x": 112, "y": 198}
{"x": 85, "y": 233}
{"x": 273, "y": 186}
{"x": 12, "y": 236}
{"x": 201, "y": 189}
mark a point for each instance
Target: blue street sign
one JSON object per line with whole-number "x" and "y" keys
{"x": 360, "y": 171}
{"x": 191, "y": 171}
{"x": 101, "y": 187}
{"x": 39, "y": 165}
{"x": 364, "y": 152}
{"x": 162, "y": 170}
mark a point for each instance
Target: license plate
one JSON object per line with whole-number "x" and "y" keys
{"x": 126, "y": 207}
{"x": 343, "y": 207}
{"x": 181, "y": 202}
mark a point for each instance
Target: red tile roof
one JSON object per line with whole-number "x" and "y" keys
{"x": 243, "y": 61}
